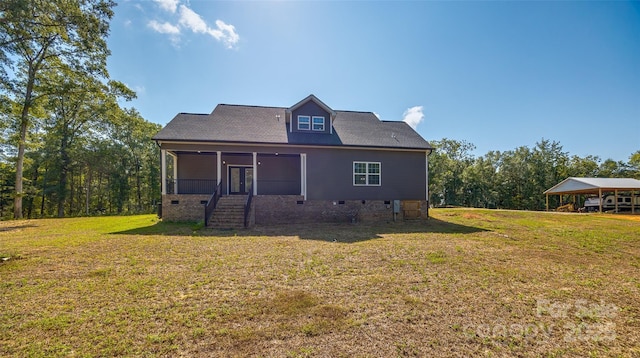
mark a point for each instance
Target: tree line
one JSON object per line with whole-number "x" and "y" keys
{"x": 514, "y": 179}
{"x": 68, "y": 144}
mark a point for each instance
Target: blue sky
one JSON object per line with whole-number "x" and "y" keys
{"x": 496, "y": 74}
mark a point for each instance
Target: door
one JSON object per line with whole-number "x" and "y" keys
{"x": 240, "y": 180}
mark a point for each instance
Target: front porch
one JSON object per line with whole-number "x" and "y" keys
{"x": 200, "y": 172}
{"x": 194, "y": 181}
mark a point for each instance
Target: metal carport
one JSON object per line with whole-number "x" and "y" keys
{"x": 595, "y": 186}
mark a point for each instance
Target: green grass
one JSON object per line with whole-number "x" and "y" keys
{"x": 466, "y": 282}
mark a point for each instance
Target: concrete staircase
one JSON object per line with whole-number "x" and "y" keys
{"x": 229, "y": 212}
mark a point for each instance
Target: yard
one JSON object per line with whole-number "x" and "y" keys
{"x": 467, "y": 282}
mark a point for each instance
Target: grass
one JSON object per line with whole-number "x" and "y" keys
{"x": 467, "y": 282}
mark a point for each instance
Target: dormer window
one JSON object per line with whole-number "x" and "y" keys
{"x": 304, "y": 123}
{"x": 318, "y": 123}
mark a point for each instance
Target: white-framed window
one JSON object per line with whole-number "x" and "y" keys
{"x": 304, "y": 123}
{"x": 366, "y": 173}
{"x": 318, "y": 123}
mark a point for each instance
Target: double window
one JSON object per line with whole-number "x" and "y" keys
{"x": 315, "y": 123}
{"x": 366, "y": 173}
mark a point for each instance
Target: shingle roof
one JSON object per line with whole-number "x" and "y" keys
{"x": 266, "y": 125}
{"x": 589, "y": 185}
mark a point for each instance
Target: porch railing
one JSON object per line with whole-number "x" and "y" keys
{"x": 279, "y": 187}
{"x": 191, "y": 186}
{"x": 247, "y": 209}
{"x": 211, "y": 204}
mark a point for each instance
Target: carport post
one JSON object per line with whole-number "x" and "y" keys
{"x": 600, "y": 200}
{"x": 547, "y": 195}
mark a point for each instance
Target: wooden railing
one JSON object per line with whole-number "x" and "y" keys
{"x": 190, "y": 186}
{"x": 247, "y": 208}
{"x": 211, "y": 204}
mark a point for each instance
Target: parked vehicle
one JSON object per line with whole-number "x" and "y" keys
{"x": 609, "y": 203}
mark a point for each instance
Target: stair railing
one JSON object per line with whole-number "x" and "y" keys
{"x": 247, "y": 208}
{"x": 211, "y": 204}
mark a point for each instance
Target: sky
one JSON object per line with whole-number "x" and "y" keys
{"x": 497, "y": 74}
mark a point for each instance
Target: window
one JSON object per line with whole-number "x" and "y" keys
{"x": 318, "y": 123}
{"x": 366, "y": 173}
{"x": 304, "y": 123}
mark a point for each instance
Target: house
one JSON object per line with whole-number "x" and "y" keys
{"x": 245, "y": 165}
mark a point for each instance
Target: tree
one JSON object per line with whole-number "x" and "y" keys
{"x": 36, "y": 35}
{"x": 479, "y": 181}
{"x": 634, "y": 164}
{"x": 76, "y": 106}
{"x": 446, "y": 165}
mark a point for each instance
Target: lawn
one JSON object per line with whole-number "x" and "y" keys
{"x": 466, "y": 282}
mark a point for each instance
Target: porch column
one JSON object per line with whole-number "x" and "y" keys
{"x": 303, "y": 175}
{"x": 426, "y": 169}
{"x": 615, "y": 197}
{"x": 163, "y": 169}
{"x": 219, "y": 167}
{"x": 255, "y": 173}
{"x": 175, "y": 174}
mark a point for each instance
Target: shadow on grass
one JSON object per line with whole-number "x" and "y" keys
{"x": 16, "y": 227}
{"x": 330, "y": 232}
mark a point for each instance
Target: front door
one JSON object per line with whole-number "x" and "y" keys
{"x": 240, "y": 180}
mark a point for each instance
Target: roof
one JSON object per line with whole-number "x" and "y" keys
{"x": 267, "y": 125}
{"x": 593, "y": 185}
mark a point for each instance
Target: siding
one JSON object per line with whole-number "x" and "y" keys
{"x": 330, "y": 175}
{"x": 279, "y": 175}
{"x": 329, "y": 170}
{"x": 197, "y": 166}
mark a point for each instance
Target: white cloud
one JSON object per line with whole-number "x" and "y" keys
{"x": 168, "y": 5}
{"x": 164, "y": 28}
{"x": 222, "y": 32}
{"x": 413, "y": 116}
{"x": 225, "y": 33}
{"x": 189, "y": 19}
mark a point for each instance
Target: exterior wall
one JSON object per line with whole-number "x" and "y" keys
{"x": 187, "y": 208}
{"x": 330, "y": 175}
{"x": 279, "y": 175}
{"x": 197, "y": 166}
{"x": 310, "y": 109}
{"x": 330, "y": 170}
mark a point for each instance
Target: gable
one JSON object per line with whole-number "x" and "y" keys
{"x": 311, "y": 118}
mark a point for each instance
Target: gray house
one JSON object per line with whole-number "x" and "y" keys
{"x": 244, "y": 165}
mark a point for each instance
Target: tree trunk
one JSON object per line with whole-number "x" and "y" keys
{"x": 138, "y": 186}
{"x": 44, "y": 189}
{"x": 34, "y": 180}
{"x": 65, "y": 161}
{"x": 24, "y": 123}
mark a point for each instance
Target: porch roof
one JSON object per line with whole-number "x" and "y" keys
{"x": 267, "y": 125}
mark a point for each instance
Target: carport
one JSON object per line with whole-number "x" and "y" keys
{"x": 581, "y": 186}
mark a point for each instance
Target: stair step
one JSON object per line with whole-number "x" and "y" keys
{"x": 229, "y": 212}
